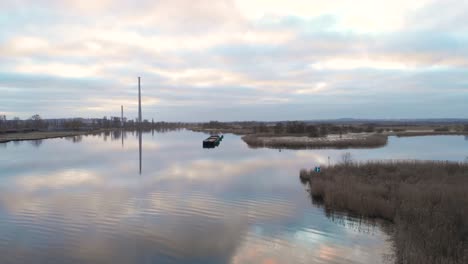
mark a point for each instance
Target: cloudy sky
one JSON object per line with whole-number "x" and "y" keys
{"x": 234, "y": 59}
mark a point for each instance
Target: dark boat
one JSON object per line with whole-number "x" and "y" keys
{"x": 212, "y": 141}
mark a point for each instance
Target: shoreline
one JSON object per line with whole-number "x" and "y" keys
{"x": 235, "y": 131}
{"x": 39, "y": 135}
{"x": 262, "y": 140}
{"x": 428, "y": 133}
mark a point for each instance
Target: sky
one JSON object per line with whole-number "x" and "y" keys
{"x": 229, "y": 60}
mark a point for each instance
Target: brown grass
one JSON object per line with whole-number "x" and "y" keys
{"x": 285, "y": 142}
{"x": 426, "y": 201}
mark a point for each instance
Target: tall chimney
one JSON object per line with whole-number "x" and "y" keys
{"x": 139, "y": 101}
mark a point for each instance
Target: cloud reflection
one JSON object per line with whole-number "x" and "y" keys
{"x": 232, "y": 205}
{"x": 58, "y": 179}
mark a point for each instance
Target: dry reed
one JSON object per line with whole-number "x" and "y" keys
{"x": 426, "y": 200}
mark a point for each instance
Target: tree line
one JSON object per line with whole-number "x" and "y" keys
{"x": 311, "y": 130}
{"x": 37, "y": 123}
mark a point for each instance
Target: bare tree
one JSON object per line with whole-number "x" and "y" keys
{"x": 37, "y": 122}
{"x": 16, "y": 122}
{"x": 279, "y": 128}
{"x": 2, "y": 122}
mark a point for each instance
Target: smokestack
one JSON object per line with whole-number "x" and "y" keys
{"x": 139, "y": 101}
{"x": 121, "y": 116}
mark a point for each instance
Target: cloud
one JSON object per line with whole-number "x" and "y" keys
{"x": 202, "y": 55}
{"x": 367, "y": 15}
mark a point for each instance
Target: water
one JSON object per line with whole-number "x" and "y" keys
{"x": 84, "y": 200}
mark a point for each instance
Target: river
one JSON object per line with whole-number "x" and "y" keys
{"x": 102, "y": 199}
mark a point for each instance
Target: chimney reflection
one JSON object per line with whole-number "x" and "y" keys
{"x": 122, "y": 135}
{"x": 139, "y": 146}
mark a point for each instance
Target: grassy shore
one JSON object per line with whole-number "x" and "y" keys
{"x": 426, "y": 201}
{"x": 362, "y": 140}
{"x": 430, "y": 133}
{"x": 41, "y": 135}
{"x": 350, "y": 140}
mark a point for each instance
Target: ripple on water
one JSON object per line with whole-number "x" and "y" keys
{"x": 111, "y": 214}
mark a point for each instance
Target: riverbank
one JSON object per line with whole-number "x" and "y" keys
{"x": 416, "y": 133}
{"x": 37, "y": 135}
{"x": 426, "y": 201}
{"x": 232, "y": 130}
{"x": 351, "y": 140}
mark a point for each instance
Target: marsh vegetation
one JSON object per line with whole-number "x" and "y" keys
{"x": 306, "y": 142}
{"x": 426, "y": 200}
{"x": 329, "y": 134}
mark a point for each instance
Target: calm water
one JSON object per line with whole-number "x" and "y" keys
{"x": 85, "y": 201}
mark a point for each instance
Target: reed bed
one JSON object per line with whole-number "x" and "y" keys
{"x": 305, "y": 142}
{"x": 426, "y": 200}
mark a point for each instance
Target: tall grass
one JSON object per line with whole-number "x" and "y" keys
{"x": 272, "y": 141}
{"x": 427, "y": 202}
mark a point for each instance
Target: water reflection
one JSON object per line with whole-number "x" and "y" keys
{"x": 226, "y": 205}
{"x": 74, "y": 139}
{"x": 139, "y": 147}
{"x": 354, "y": 222}
{"x": 36, "y": 143}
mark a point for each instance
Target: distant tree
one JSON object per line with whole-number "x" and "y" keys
{"x": 262, "y": 128}
{"x": 279, "y": 128}
{"x": 37, "y": 122}
{"x": 213, "y": 124}
{"x": 74, "y": 124}
{"x": 323, "y": 130}
{"x": 105, "y": 122}
{"x": 2, "y": 122}
{"x": 295, "y": 127}
{"x": 130, "y": 123}
{"x": 370, "y": 129}
{"x": 16, "y": 123}
{"x": 465, "y": 128}
{"x": 312, "y": 131}
{"x": 334, "y": 129}
{"x": 116, "y": 121}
